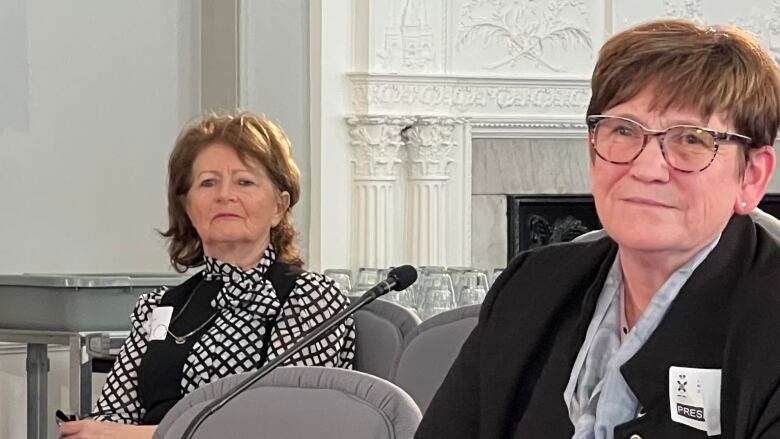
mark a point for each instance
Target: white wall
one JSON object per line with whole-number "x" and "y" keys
{"x": 98, "y": 92}
{"x": 274, "y": 81}
{"x": 92, "y": 96}
{"x": 331, "y": 56}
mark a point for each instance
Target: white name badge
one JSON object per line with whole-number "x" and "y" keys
{"x": 694, "y": 398}
{"x": 158, "y": 324}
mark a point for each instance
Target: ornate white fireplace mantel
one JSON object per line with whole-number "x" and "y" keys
{"x": 495, "y": 107}
{"x": 439, "y": 64}
{"x": 424, "y": 77}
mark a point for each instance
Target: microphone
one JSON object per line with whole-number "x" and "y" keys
{"x": 399, "y": 278}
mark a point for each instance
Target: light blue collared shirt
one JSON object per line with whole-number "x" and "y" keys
{"x": 597, "y": 395}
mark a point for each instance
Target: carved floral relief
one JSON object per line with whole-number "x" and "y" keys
{"x": 526, "y": 30}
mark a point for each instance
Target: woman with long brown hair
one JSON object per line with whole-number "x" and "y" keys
{"x": 232, "y": 183}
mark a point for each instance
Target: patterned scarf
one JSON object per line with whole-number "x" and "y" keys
{"x": 236, "y": 341}
{"x": 249, "y": 290}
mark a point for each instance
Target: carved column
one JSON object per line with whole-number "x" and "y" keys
{"x": 429, "y": 145}
{"x": 376, "y": 151}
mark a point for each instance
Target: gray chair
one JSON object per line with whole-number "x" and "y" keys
{"x": 429, "y": 352}
{"x": 381, "y": 327}
{"x": 767, "y": 221}
{"x": 300, "y": 402}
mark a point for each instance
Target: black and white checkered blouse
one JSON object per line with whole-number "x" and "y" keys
{"x": 234, "y": 342}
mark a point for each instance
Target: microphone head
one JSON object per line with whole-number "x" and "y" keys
{"x": 404, "y": 276}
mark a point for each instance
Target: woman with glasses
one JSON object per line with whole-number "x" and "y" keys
{"x": 669, "y": 326}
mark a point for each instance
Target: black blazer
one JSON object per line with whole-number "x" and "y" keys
{"x": 509, "y": 377}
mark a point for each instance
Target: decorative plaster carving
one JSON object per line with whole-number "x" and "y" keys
{"x": 495, "y": 129}
{"x": 464, "y": 95}
{"x": 374, "y": 234}
{"x": 376, "y": 152}
{"x": 690, "y": 9}
{"x": 764, "y": 24}
{"x": 429, "y": 145}
{"x": 532, "y": 125}
{"x": 427, "y": 214}
{"x": 524, "y": 28}
{"x": 408, "y": 41}
{"x": 376, "y": 142}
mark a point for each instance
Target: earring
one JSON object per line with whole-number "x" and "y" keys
{"x": 743, "y": 204}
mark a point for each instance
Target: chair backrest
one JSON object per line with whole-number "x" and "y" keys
{"x": 767, "y": 221}
{"x": 300, "y": 402}
{"x": 381, "y": 328}
{"x": 429, "y": 352}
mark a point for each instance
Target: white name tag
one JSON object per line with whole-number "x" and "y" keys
{"x": 694, "y": 398}
{"x": 158, "y": 324}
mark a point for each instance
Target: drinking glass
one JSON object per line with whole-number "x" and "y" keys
{"x": 404, "y": 298}
{"x": 342, "y": 276}
{"x": 456, "y": 273}
{"x": 474, "y": 288}
{"x": 366, "y": 278}
{"x": 438, "y": 295}
{"x": 419, "y": 290}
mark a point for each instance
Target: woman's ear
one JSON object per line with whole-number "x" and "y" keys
{"x": 282, "y": 205}
{"x": 758, "y": 173}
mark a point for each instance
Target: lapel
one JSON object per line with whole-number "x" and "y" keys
{"x": 693, "y": 332}
{"x": 537, "y": 326}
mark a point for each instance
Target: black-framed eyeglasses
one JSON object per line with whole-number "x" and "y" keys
{"x": 686, "y": 148}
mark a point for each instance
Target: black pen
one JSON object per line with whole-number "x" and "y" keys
{"x": 62, "y": 417}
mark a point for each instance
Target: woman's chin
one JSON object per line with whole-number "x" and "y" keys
{"x": 649, "y": 239}
{"x": 227, "y": 237}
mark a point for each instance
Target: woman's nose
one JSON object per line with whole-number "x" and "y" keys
{"x": 651, "y": 164}
{"x": 226, "y": 191}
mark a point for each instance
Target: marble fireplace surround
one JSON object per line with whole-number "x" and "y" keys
{"x": 448, "y": 164}
{"x": 518, "y": 167}
{"x": 451, "y": 172}
{"x": 451, "y": 106}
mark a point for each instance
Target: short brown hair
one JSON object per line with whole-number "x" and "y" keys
{"x": 707, "y": 69}
{"x": 254, "y": 139}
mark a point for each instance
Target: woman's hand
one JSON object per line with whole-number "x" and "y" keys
{"x": 89, "y": 429}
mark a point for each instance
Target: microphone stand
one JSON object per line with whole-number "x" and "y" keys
{"x": 316, "y": 333}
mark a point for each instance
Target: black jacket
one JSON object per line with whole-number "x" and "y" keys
{"x": 509, "y": 378}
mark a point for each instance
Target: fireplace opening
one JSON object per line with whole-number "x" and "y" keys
{"x": 538, "y": 220}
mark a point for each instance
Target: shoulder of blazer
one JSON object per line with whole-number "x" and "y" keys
{"x": 761, "y": 287}
{"x": 751, "y": 394}
{"x": 544, "y": 264}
